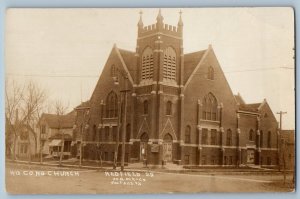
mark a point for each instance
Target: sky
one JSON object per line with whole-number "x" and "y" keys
{"x": 64, "y": 50}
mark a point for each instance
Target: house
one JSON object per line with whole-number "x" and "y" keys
{"x": 55, "y": 129}
{"x": 179, "y": 107}
{"x": 21, "y": 141}
{"x": 287, "y": 149}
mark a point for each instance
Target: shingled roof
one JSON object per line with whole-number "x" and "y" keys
{"x": 85, "y": 104}
{"x": 129, "y": 58}
{"x": 191, "y": 60}
{"x": 59, "y": 121}
{"x": 249, "y": 107}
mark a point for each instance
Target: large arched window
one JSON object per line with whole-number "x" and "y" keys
{"x": 188, "y": 134}
{"x": 210, "y": 107}
{"x": 111, "y": 105}
{"x": 169, "y": 68}
{"x": 229, "y": 137}
{"x": 169, "y": 108}
{"x": 210, "y": 73}
{"x": 147, "y": 64}
{"x": 146, "y": 107}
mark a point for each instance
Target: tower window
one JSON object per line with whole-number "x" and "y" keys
{"x": 209, "y": 107}
{"x": 147, "y": 64}
{"x": 169, "y": 67}
{"x": 169, "y": 108}
{"x": 210, "y": 73}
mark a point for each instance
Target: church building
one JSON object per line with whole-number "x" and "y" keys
{"x": 179, "y": 108}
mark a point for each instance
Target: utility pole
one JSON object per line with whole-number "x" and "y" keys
{"x": 125, "y": 77}
{"x": 282, "y": 145}
{"x": 280, "y": 120}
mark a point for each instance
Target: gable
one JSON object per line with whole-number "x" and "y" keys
{"x": 191, "y": 60}
{"x": 267, "y": 113}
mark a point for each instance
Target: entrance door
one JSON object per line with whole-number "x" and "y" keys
{"x": 143, "y": 146}
{"x": 167, "y": 151}
{"x": 250, "y": 156}
{"x": 143, "y": 150}
{"x": 167, "y": 148}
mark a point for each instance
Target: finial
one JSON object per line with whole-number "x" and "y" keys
{"x": 159, "y": 17}
{"x": 180, "y": 23}
{"x": 141, "y": 20}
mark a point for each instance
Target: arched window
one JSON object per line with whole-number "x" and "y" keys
{"x": 146, "y": 107}
{"x": 188, "y": 134}
{"x": 113, "y": 71}
{"x": 168, "y": 138}
{"x": 147, "y": 64}
{"x": 169, "y": 108}
{"x": 229, "y": 137}
{"x": 251, "y": 135}
{"x": 210, "y": 107}
{"x": 112, "y": 105}
{"x": 269, "y": 139}
{"x": 210, "y": 73}
{"x": 169, "y": 68}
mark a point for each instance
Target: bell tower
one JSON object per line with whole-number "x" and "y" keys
{"x": 159, "y": 47}
{"x": 159, "y": 82}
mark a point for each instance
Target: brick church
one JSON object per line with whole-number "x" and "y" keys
{"x": 180, "y": 108}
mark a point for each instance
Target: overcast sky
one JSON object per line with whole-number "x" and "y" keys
{"x": 64, "y": 50}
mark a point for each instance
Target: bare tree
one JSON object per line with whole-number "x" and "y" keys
{"x": 23, "y": 105}
{"x": 13, "y": 98}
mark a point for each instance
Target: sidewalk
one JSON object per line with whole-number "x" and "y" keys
{"x": 168, "y": 168}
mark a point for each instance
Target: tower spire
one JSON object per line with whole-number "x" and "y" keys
{"x": 180, "y": 23}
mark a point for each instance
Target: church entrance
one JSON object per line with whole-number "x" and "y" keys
{"x": 250, "y": 156}
{"x": 167, "y": 148}
{"x": 143, "y": 146}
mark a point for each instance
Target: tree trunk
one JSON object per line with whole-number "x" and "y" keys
{"x": 62, "y": 148}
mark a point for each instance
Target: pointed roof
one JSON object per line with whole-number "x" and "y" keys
{"x": 239, "y": 100}
{"x": 191, "y": 60}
